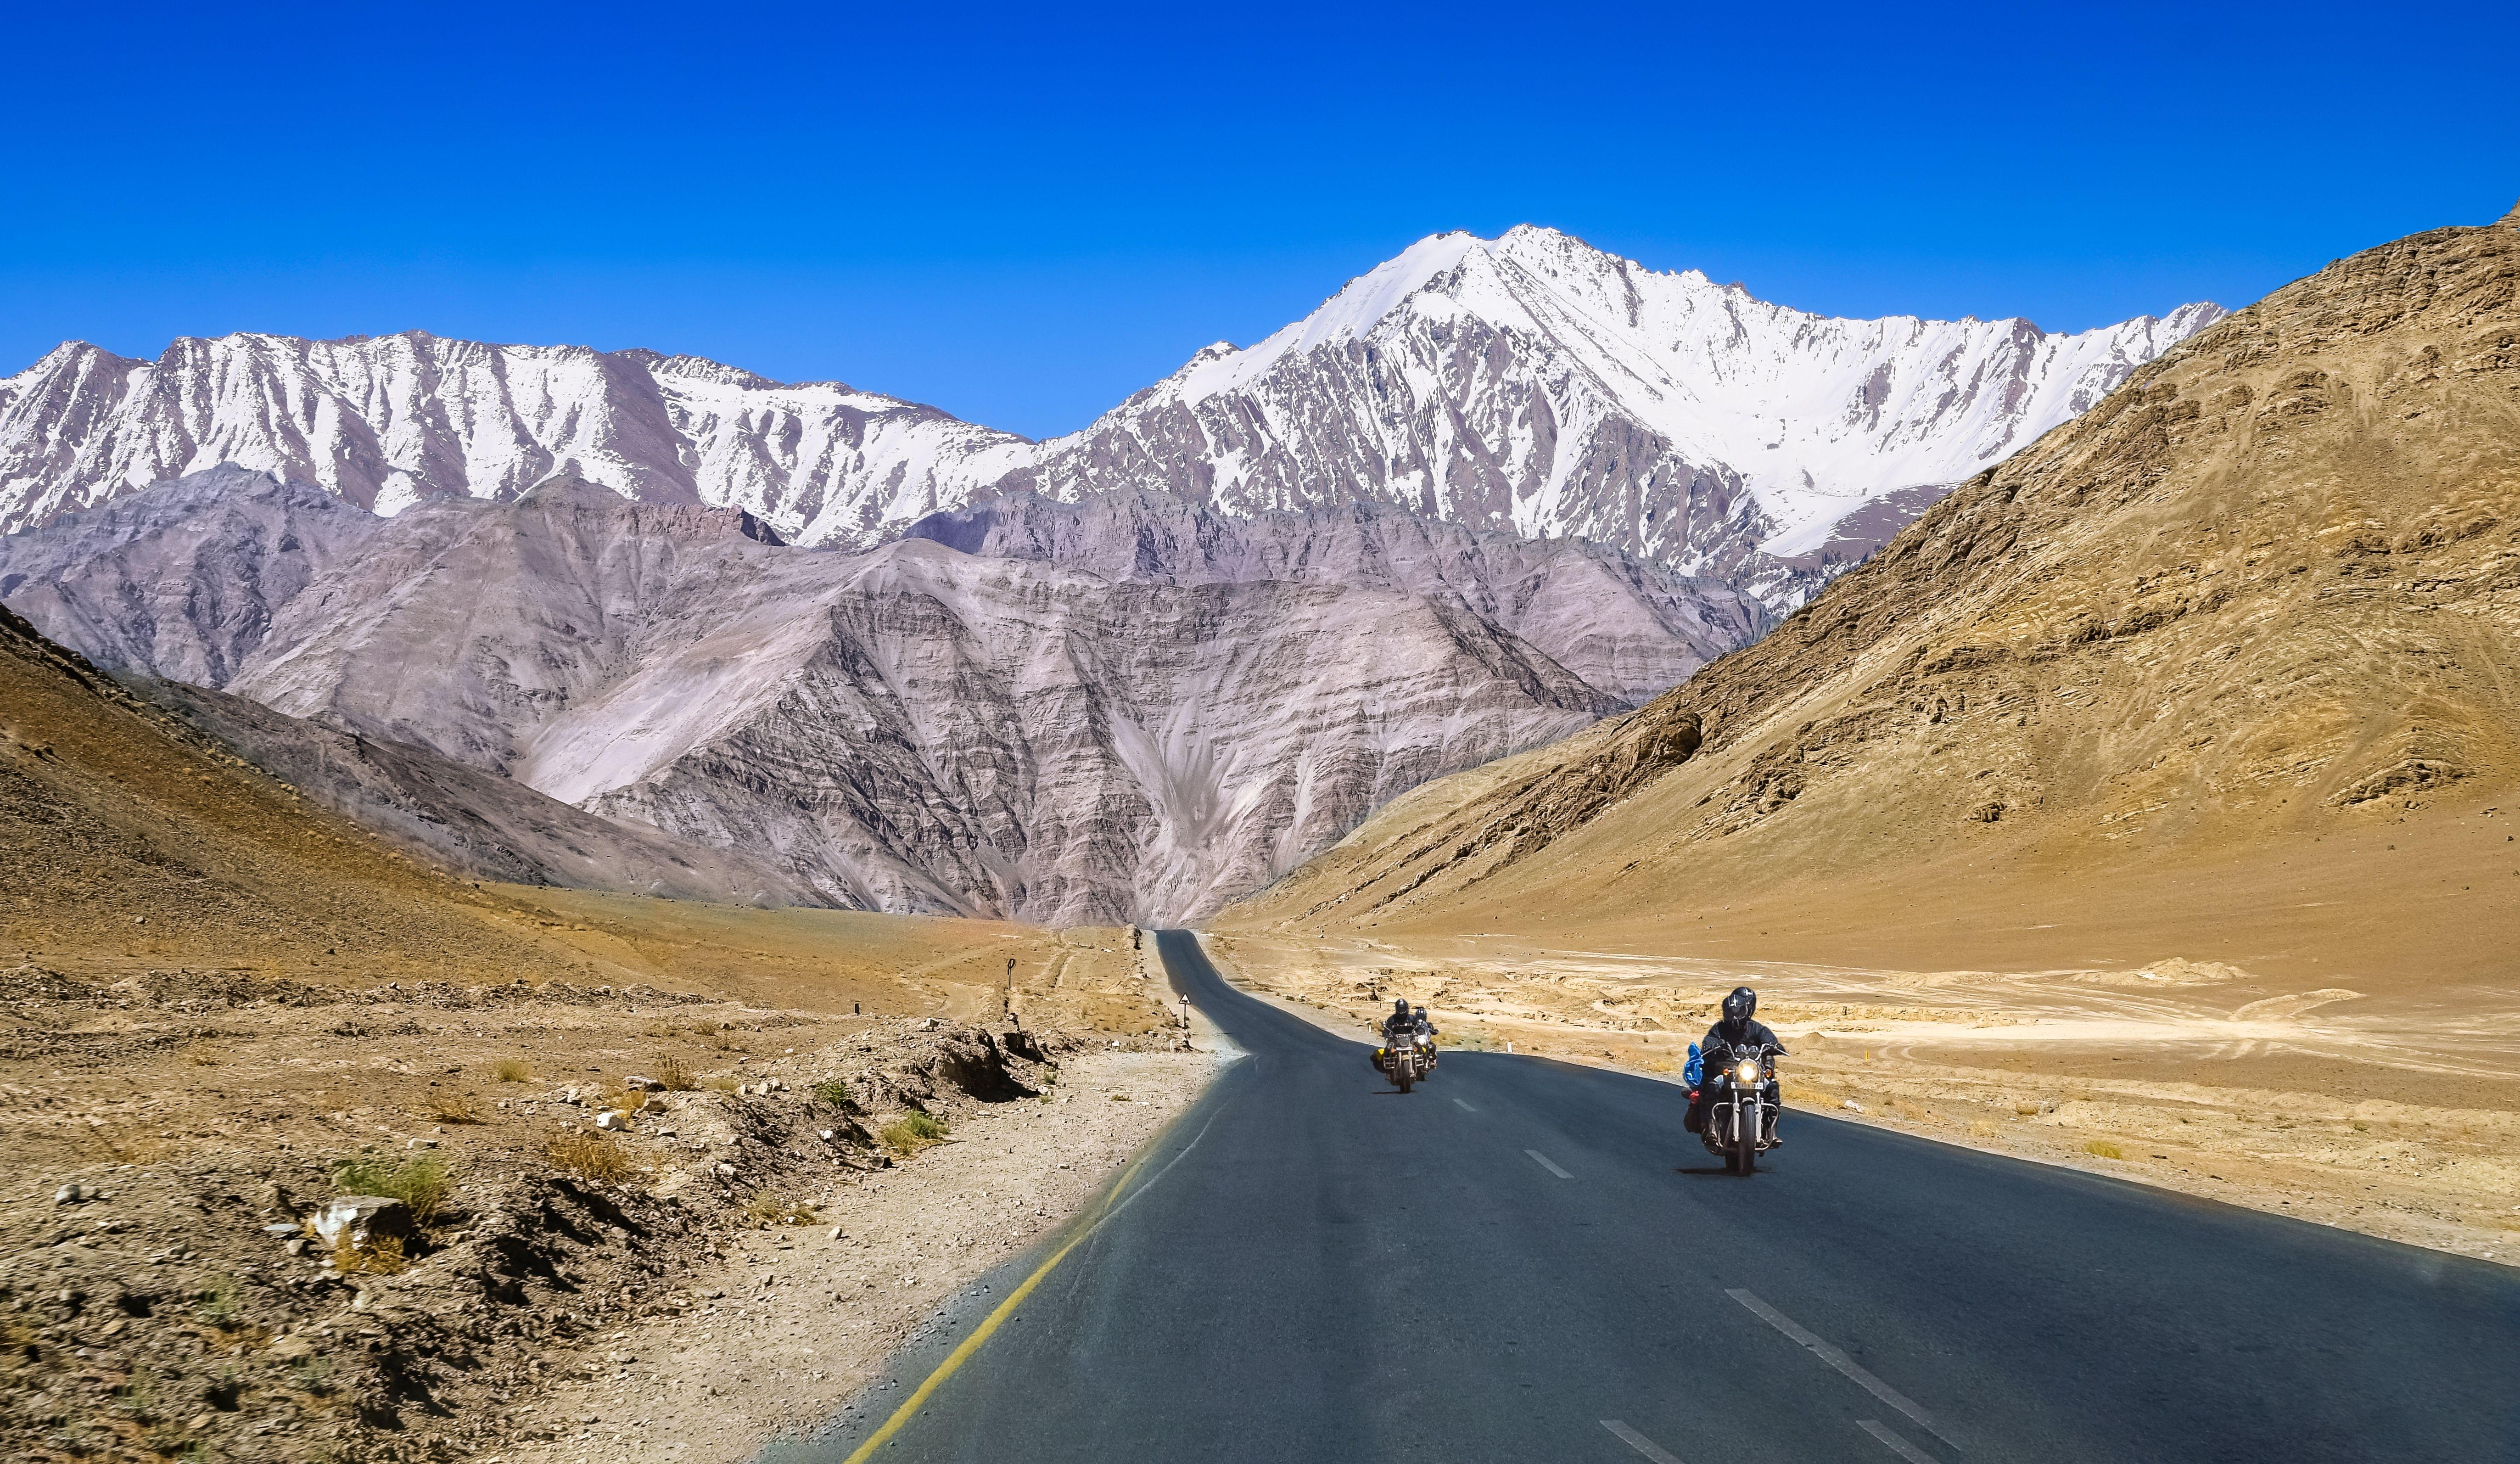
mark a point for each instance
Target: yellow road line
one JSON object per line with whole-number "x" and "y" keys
{"x": 953, "y": 1360}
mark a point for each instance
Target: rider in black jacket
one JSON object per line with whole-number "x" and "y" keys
{"x": 1736, "y": 1032}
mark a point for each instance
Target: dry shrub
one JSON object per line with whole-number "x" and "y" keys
{"x": 675, "y": 1074}
{"x": 2026, "y": 1110}
{"x": 590, "y": 1155}
{"x": 835, "y": 1093}
{"x": 767, "y": 1211}
{"x": 382, "y": 1255}
{"x": 912, "y": 1132}
{"x": 450, "y": 1108}
{"x": 511, "y": 1070}
{"x": 724, "y": 1082}
{"x": 421, "y": 1182}
{"x": 2104, "y": 1149}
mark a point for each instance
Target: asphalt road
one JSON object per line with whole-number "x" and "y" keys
{"x": 1525, "y": 1261}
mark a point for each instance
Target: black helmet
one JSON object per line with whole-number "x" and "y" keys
{"x": 1400, "y": 1006}
{"x": 1738, "y": 1006}
{"x": 1420, "y": 1010}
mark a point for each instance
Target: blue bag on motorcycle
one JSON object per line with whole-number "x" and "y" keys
{"x": 1695, "y": 1072}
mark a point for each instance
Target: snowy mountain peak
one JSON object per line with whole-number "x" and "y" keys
{"x": 1529, "y": 383}
{"x": 1535, "y": 384}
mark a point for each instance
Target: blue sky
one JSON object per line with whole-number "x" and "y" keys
{"x": 1024, "y": 214}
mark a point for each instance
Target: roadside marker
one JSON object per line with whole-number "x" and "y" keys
{"x": 1639, "y": 1442}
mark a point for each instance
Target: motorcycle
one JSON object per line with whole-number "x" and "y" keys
{"x": 1405, "y": 1063}
{"x": 1741, "y": 1117}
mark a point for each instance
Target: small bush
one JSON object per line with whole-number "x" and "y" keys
{"x": 766, "y": 1211}
{"x": 724, "y": 1082}
{"x": 420, "y": 1182}
{"x": 675, "y": 1075}
{"x": 450, "y": 1108}
{"x": 836, "y": 1093}
{"x": 912, "y": 1132}
{"x": 2104, "y": 1149}
{"x": 589, "y": 1154}
{"x": 511, "y": 1070}
{"x": 2026, "y": 1110}
{"x": 219, "y": 1303}
{"x": 382, "y": 1255}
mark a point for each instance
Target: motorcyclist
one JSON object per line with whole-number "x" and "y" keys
{"x": 1736, "y": 1032}
{"x": 1397, "y": 1027}
{"x": 1419, "y": 1026}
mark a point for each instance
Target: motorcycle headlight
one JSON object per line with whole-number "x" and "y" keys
{"x": 1747, "y": 1073}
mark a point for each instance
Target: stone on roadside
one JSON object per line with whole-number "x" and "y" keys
{"x": 612, "y": 1118}
{"x": 638, "y": 1084}
{"x": 364, "y": 1220}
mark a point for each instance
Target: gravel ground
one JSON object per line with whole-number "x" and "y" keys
{"x": 794, "y": 1321}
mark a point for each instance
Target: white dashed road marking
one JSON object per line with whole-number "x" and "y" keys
{"x": 1898, "y": 1446}
{"x": 1842, "y": 1362}
{"x": 1546, "y": 1165}
{"x": 1465, "y": 1108}
{"x": 1639, "y": 1442}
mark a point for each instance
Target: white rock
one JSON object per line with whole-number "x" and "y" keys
{"x": 612, "y": 1118}
{"x": 363, "y": 1218}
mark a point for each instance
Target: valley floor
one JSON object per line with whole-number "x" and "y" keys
{"x": 2399, "y": 1117}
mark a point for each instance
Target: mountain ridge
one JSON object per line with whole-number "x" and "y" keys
{"x": 1572, "y": 417}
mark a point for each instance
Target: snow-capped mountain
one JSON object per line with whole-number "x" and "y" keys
{"x": 1528, "y": 384}
{"x": 1535, "y": 384}
{"x": 388, "y": 420}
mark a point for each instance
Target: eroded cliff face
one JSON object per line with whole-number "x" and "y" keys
{"x": 1623, "y": 624}
{"x": 913, "y": 728}
{"x": 2266, "y": 593}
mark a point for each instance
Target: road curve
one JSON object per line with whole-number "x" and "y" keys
{"x": 1527, "y": 1261}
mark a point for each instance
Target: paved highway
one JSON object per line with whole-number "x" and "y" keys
{"x": 1524, "y": 1260}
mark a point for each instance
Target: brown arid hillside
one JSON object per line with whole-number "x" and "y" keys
{"x": 225, "y": 1009}
{"x": 2223, "y": 674}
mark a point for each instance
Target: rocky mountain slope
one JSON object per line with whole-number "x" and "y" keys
{"x": 1534, "y": 384}
{"x": 2218, "y": 647}
{"x": 469, "y": 822}
{"x": 129, "y": 836}
{"x": 1622, "y": 624}
{"x": 914, "y": 728}
{"x": 1529, "y": 385}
